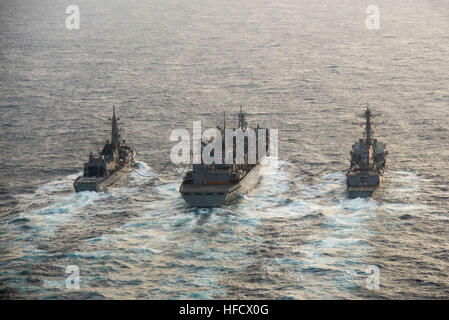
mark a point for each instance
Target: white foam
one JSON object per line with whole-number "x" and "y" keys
{"x": 143, "y": 170}
{"x": 55, "y": 208}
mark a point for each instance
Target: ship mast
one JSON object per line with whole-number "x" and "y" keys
{"x": 224, "y": 120}
{"x": 369, "y": 133}
{"x": 115, "y": 133}
{"x": 242, "y": 119}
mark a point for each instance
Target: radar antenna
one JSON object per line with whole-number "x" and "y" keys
{"x": 115, "y": 136}
{"x": 369, "y": 132}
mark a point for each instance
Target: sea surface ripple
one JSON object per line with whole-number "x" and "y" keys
{"x": 306, "y": 68}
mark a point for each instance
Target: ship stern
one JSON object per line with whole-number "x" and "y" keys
{"x": 86, "y": 184}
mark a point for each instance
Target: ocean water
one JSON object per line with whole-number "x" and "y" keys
{"x": 304, "y": 67}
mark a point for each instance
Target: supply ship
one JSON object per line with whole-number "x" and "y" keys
{"x": 211, "y": 185}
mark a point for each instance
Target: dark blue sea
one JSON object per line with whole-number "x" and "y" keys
{"x": 306, "y": 68}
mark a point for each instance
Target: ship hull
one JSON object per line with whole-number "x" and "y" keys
{"x": 99, "y": 184}
{"x": 354, "y": 192}
{"x": 206, "y": 196}
{"x": 363, "y": 186}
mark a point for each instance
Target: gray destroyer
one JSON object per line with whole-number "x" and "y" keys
{"x": 368, "y": 159}
{"x": 211, "y": 185}
{"x": 114, "y": 160}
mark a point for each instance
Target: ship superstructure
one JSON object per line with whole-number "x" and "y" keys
{"x": 368, "y": 159}
{"x": 103, "y": 170}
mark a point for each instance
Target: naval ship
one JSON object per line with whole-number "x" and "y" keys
{"x": 114, "y": 160}
{"x": 368, "y": 158}
{"x": 211, "y": 185}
